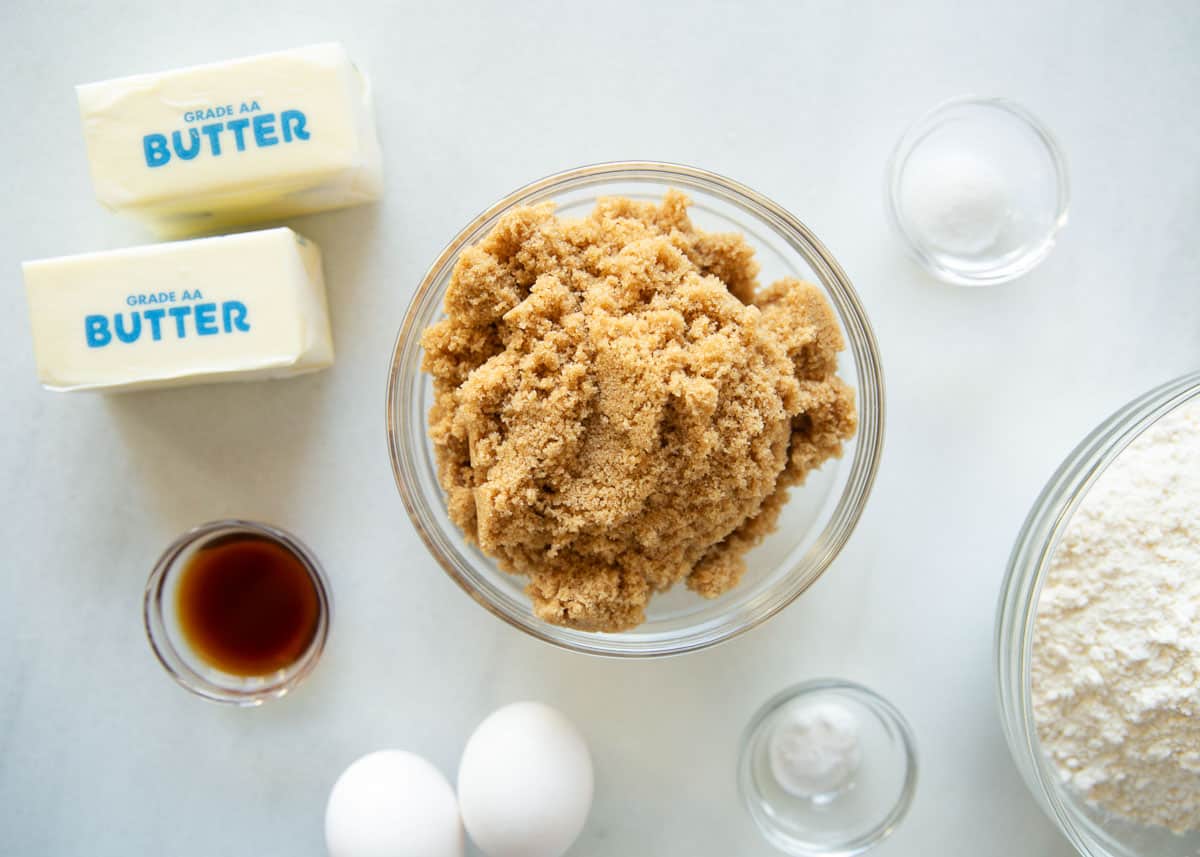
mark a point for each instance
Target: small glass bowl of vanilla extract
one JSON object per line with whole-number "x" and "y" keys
{"x": 237, "y": 611}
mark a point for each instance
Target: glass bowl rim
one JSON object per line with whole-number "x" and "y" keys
{"x": 1016, "y": 610}
{"x": 882, "y": 708}
{"x": 177, "y": 665}
{"x": 913, "y": 135}
{"x": 851, "y": 316}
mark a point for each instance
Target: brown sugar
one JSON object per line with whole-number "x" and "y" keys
{"x": 619, "y": 407}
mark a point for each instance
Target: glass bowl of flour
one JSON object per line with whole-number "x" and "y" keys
{"x": 1098, "y": 634}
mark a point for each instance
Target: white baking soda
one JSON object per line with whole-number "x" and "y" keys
{"x": 1116, "y": 646}
{"x": 814, "y": 750}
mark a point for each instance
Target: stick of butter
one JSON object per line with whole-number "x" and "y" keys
{"x": 204, "y": 148}
{"x": 236, "y": 307}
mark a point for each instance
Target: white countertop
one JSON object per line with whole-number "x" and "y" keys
{"x": 101, "y": 754}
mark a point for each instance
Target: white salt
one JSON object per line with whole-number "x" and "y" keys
{"x": 959, "y": 202}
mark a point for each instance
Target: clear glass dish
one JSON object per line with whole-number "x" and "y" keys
{"x": 1093, "y": 832}
{"x": 170, "y": 644}
{"x": 1014, "y": 162}
{"x": 863, "y": 812}
{"x": 818, "y": 518}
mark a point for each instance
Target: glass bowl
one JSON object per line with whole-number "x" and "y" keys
{"x": 170, "y": 644}
{"x": 817, "y": 520}
{"x": 1093, "y": 832}
{"x": 860, "y": 814}
{"x": 1005, "y": 157}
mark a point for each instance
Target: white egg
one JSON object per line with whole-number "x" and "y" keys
{"x": 525, "y": 782}
{"x": 392, "y": 804}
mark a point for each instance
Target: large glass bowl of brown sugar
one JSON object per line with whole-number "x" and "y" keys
{"x": 635, "y": 409}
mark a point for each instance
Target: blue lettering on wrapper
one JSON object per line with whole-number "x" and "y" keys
{"x": 135, "y": 327}
{"x": 214, "y": 136}
{"x": 153, "y": 298}
{"x": 99, "y": 330}
{"x": 154, "y": 316}
{"x": 234, "y": 313}
{"x": 208, "y": 113}
{"x": 189, "y": 152}
{"x": 206, "y": 319}
{"x": 155, "y": 147}
{"x": 293, "y": 124}
{"x": 238, "y": 127}
{"x": 264, "y": 129}
{"x": 179, "y": 313}
{"x": 96, "y": 329}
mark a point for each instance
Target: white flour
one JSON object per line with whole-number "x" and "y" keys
{"x": 1116, "y": 647}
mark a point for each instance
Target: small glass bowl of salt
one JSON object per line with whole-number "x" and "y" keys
{"x": 977, "y": 189}
{"x": 827, "y": 767}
